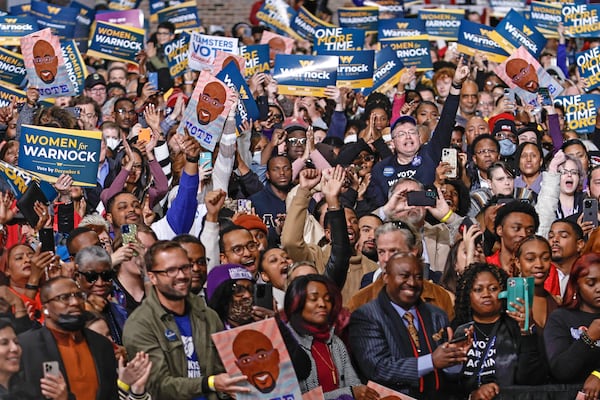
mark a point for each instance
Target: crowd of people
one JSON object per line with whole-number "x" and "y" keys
{"x": 384, "y": 228}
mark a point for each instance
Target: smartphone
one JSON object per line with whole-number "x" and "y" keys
{"x": 546, "y": 99}
{"x": 244, "y": 205}
{"x": 51, "y": 368}
{"x": 205, "y": 157}
{"x": 153, "y": 79}
{"x": 66, "y": 217}
{"x": 129, "y": 233}
{"x": 74, "y": 111}
{"x": 144, "y": 135}
{"x": 421, "y": 198}
{"x": 450, "y": 156}
{"x": 460, "y": 334}
{"x": 509, "y": 94}
{"x": 47, "y": 239}
{"x": 518, "y": 287}
{"x": 465, "y": 225}
{"x": 263, "y": 295}
{"x": 590, "y": 211}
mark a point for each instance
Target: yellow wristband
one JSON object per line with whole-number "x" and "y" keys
{"x": 596, "y": 374}
{"x": 447, "y": 216}
{"x": 122, "y": 385}
{"x": 211, "y": 383}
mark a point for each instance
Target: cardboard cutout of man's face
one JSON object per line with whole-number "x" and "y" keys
{"x": 211, "y": 102}
{"x": 523, "y": 74}
{"x": 257, "y": 359}
{"x": 45, "y": 61}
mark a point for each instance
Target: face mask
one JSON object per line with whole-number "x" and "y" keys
{"x": 240, "y": 311}
{"x": 113, "y": 143}
{"x": 507, "y": 147}
{"x": 71, "y": 323}
{"x": 256, "y": 157}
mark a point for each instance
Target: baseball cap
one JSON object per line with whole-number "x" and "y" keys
{"x": 93, "y": 80}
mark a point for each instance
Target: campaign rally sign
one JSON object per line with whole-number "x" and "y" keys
{"x": 338, "y": 39}
{"x": 359, "y": 17}
{"x": 207, "y": 110}
{"x": 120, "y": 5}
{"x": 12, "y": 29}
{"x": 303, "y": 75}
{"x": 502, "y": 7}
{"x": 45, "y": 64}
{"x": 184, "y": 16}
{"x": 61, "y": 20}
{"x": 278, "y": 15}
{"x": 51, "y": 152}
{"x": 388, "y": 69}
{"x": 524, "y": 74}
{"x": 546, "y": 17}
{"x": 20, "y": 10}
{"x": 116, "y": 42}
{"x": 203, "y": 50}
{"x": 74, "y": 64}
{"x": 85, "y": 19}
{"x": 247, "y": 109}
{"x": 272, "y": 375}
{"x": 257, "y": 58}
{"x": 388, "y": 9}
{"x": 19, "y": 180}
{"x": 305, "y": 24}
{"x": 12, "y": 68}
{"x": 581, "y": 20}
{"x": 9, "y": 94}
{"x": 133, "y": 18}
{"x": 277, "y": 44}
{"x": 580, "y": 111}
{"x": 156, "y": 5}
{"x": 441, "y": 23}
{"x": 222, "y": 59}
{"x": 412, "y": 51}
{"x": 355, "y": 69}
{"x": 515, "y": 31}
{"x": 177, "y": 54}
{"x": 390, "y": 29}
{"x": 474, "y": 37}
{"x": 588, "y": 64}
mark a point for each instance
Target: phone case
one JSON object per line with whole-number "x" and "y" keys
{"x": 522, "y": 288}
{"x": 26, "y": 202}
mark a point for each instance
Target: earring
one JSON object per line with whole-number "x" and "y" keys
{"x": 575, "y": 296}
{"x": 45, "y": 311}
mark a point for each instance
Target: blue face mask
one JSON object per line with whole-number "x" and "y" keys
{"x": 507, "y": 147}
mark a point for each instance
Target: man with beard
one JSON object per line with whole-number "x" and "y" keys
{"x": 523, "y": 74}
{"x": 269, "y": 203}
{"x": 485, "y": 152}
{"x": 86, "y": 359}
{"x": 211, "y": 102}
{"x": 174, "y": 328}
{"x": 197, "y": 257}
{"x": 367, "y": 224}
{"x": 45, "y": 61}
{"x": 125, "y": 115}
{"x": 566, "y": 241}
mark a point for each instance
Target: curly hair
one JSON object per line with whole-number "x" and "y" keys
{"x": 462, "y": 306}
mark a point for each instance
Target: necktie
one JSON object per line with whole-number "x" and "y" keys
{"x": 412, "y": 329}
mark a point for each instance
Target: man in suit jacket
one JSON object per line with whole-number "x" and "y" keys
{"x": 404, "y": 352}
{"x": 86, "y": 359}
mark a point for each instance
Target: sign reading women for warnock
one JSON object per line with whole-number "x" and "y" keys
{"x": 116, "y": 42}
{"x": 51, "y": 152}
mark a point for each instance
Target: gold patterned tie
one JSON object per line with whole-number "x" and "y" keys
{"x": 412, "y": 329}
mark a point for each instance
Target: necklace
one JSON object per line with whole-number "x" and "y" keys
{"x": 330, "y": 366}
{"x": 485, "y": 335}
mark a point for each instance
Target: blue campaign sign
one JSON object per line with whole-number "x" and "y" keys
{"x": 184, "y": 16}
{"x": 441, "y": 23}
{"x": 546, "y": 17}
{"x": 51, "y": 152}
{"x": 581, "y": 20}
{"x": 12, "y": 29}
{"x": 359, "y": 17}
{"x": 177, "y": 54}
{"x": 247, "y": 107}
{"x": 474, "y": 37}
{"x": 388, "y": 8}
{"x": 301, "y": 75}
{"x": 74, "y": 64}
{"x": 257, "y": 58}
{"x": 116, "y": 42}
{"x": 589, "y": 67}
{"x": 390, "y": 29}
{"x": 355, "y": 69}
{"x": 580, "y": 111}
{"x": 305, "y": 24}
{"x": 338, "y": 39}
{"x": 515, "y": 31}
{"x": 278, "y": 15}
{"x": 61, "y": 20}
{"x": 12, "y": 67}
{"x": 412, "y": 51}
{"x": 19, "y": 179}
{"x": 388, "y": 69}
{"x": 85, "y": 18}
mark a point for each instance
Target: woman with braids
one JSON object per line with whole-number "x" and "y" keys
{"x": 502, "y": 353}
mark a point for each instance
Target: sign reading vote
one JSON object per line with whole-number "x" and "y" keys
{"x": 116, "y": 42}
{"x": 203, "y": 50}
{"x": 51, "y": 152}
{"x": 301, "y": 75}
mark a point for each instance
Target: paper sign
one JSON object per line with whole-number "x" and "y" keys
{"x": 19, "y": 179}
{"x": 304, "y": 24}
{"x": 184, "y": 16}
{"x": 247, "y": 109}
{"x": 177, "y": 54}
{"x": 74, "y": 64}
{"x": 84, "y": 21}
{"x": 120, "y": 5}
{"x": 223, "y": 59}
{"x": 355, "y": 69}
{"x": 50, "y": 152}
{"x": 8, "y": 94}
{"x": 12, "y": 68}
{"x": 133, "y": 18}
{"x": 581, "y": 20}
{"x": 580, "y": 111}
{"x": 359, "y": 17}
{"x": 474, "y": 37}
{"x": 257, "y": 58}
{"x": 387, "y": 393}
{"x": 388, "y": 9}
{"x": 502, "y": 7}
{"x": 338, "y": 39}
{"x": 302, "y": 75}
{"x": 388, "y": 69}
{"x": 412, "y": 51}
{"x": 61, "y": 20}
{"x": 203, "y": 50}
{"x": 546, "y": 17}
{"x": 587, "y": 64}
{"x": 442, "y": 24}
{"x": 12, "y": 29}
{"x": 515, "y": 31}
{"x": 390, "y": 29}
{"x": 116, "y": 42}
{"x": 277, "y": 44}
{"x": 278, "y": 15}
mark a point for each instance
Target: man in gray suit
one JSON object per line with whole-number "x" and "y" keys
{"x": 398, "y": 340}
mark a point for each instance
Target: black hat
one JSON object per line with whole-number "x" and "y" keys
{"x": 93, "y": 80}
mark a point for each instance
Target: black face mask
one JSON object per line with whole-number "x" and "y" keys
{"x": 72, "y": 323}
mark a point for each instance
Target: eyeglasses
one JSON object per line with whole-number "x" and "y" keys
{"x": 202, "y": 261}
{"x": 238, "y": 289}
{"x": 172, "y": 272}
{"x": 401, "y": 134}
{"x": 297, "y": 141}
{"x": 210, "y": 100}
{"x": 505, "y": 135}
{"x": 87, "y": 115}
{"x": 486, "y": 151}
{"x": 518, "y": 77}
{"x": 570, "y": 172}
{"x": 137, "y": 167}
{"x": 98, "y": 90}
{"x": 44, "y": 60}
{"x": 276, "y": 117}
{"x": 163, "y": 33}
{"x": 65, "y": 298}
{"x": 122, "y": 111}
{"x": 92, "y": 276}
{"x": 260, "y": 355}
{"x": 239, "y": 249}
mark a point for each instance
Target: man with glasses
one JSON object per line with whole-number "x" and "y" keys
{"x": 174, "y": 328}
{"x": 197, "y": 257}
{"x": 94, "y": 276}
{"x": 86, "y": 359}
{"x": 125, "y": 115}
{"x": 523, "y": 74}
{"x": 45, "y": 61}
{"x": 89, "y": 113}
{"x": 237, "y": 246}
{"x": 485, "y": 152}
{"x": 95, "y": 87}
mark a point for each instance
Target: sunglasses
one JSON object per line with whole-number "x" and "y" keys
{"x": 92, "y": 276}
